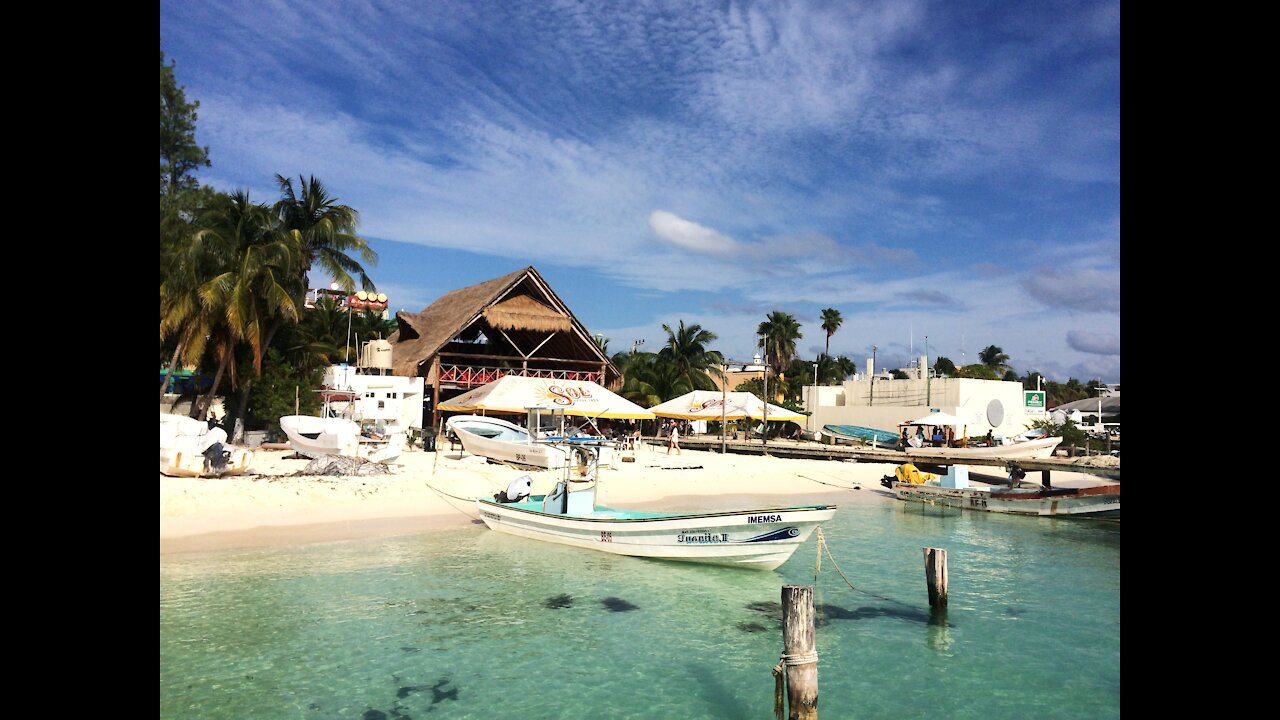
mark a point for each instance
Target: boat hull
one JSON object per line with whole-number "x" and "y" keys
{"x": 1094, "y": 502}
{"x": 316, "y": 437}
{"x": 1025, "y": 450}
{"x": 760, "y": 539}
{"x": 503, "y": 441}
{"x": 183, "y": 442}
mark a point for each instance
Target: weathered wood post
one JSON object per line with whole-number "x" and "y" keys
{"x": 935, "y": 574}
{"x": 800, "y": 656}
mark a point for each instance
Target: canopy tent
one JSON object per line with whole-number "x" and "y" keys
{"x": 1105, "y": 406}
{"x": 706, "y": 405}
{"x": 519, "y": 394}
{"x": 938, "y": 419}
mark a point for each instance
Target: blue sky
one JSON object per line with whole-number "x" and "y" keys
{"x": 939, "y": 169}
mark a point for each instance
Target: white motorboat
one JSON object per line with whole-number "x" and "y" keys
{"x": 314, "y": 437}
{"x": 504, "y": 441}
{"x": 760, "y": 538}
{"x": 1024, "y": 450}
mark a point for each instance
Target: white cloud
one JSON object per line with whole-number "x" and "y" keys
{"x": 687, "y": 235}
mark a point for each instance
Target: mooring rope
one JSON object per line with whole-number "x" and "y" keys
{"x": 822, "y": 545}
{"x": 780, "y": 674}
{"x": 446, "y": 502}
{"x": 842, "y": 487}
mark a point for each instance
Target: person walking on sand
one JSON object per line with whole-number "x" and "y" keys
{"x": 673, "y": 440}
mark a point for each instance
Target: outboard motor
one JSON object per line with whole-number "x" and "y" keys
{"x": 216, "y": 458}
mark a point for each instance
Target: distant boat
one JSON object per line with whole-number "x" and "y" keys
{"x": 1102, "y": 501}
{"x": 190, "y": 448}
{"x": 864, "y": 434}
{"x": 760, "y": 538}
{"x": 1024, "y": 450}
{"x": 318, "y": 436}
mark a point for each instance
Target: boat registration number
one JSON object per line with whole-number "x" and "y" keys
{"x": 606, "y": 536}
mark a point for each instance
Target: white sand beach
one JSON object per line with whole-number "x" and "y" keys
{"x": 430, "y": 491}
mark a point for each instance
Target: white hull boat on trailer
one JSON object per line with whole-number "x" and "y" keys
{"x": 190, "y": 448}
{"x": 760, "y": 538}
{"x": 504, "y": 441}
{"x": 316, "y": 436}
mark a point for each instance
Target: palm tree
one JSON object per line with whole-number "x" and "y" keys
{"x": 253, "y": 285}
{"x": 649, "y": 379}
{"x": 779, "y": 333}
{"x": 846, "y": 367}
{"x": 994, "y": 358}
{"x": 325, "y": 231}
{"x": 183, "y": 266}
{"x": 831, "y": 322}
{"x": 686, "y": 349}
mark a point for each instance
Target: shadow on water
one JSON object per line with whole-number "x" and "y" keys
{"x": 825, "y": 613}
{"x": 719, "y": 700}
{"x": 557, "y": 602}
{"x": 614, "y": 604}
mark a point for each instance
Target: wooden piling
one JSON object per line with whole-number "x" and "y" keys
{"x": 935, "y": 575}
{"x": 800, "y": 653}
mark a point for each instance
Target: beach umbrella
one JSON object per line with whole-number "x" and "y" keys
{"x": 706, "y": 405}
{"x": 938, "y": 419}
{"x": 519, "y": 394}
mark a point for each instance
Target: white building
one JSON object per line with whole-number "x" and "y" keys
{"x": 370, "y": 392}
{"x": 880, "y": 403}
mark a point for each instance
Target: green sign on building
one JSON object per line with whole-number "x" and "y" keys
{"x": 1033, "y": 399}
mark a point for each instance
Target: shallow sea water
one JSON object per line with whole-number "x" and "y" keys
{"x": 469, "y": 623}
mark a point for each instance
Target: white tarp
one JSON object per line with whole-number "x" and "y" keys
{"x": 518, "y": 394}
{"x": 706, "y": 405}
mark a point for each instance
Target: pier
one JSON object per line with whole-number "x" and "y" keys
{"x": 861, "y": 453}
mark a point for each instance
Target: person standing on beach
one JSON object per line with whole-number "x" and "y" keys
{"x": 673, "y": 440}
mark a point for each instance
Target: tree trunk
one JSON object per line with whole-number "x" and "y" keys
{"x": 201, "y": 408}
{"x": 244, "y": 404}
{"x": 173, "y": 365}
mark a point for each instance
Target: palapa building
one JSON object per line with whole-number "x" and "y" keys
{"x": 511, "y": 325}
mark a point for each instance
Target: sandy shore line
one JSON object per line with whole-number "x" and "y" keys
{"x": 430, "y": 491}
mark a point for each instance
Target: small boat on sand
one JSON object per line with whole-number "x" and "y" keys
{"x": 190, "y": 448}
{"x": 503, "y": 441}
{"x": 314, "y": 437}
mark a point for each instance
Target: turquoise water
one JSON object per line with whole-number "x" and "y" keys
{"x": 469, "y": 623}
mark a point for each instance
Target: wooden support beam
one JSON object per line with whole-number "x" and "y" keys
{"x": 799, "y": 647}
{"x": 935, "y": 574}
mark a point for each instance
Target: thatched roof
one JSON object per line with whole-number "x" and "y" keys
{"x": 519, "y": 306}
{"x": 524, "y": 313}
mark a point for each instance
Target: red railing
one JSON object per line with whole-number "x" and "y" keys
{"x": 470, "y": 376}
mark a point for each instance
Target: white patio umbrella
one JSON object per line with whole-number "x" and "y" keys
{"x": 706, "y": 405}
{"x": 519, "y": 394}
{"x": 938, "y": 419}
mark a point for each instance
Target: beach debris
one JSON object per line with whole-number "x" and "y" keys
{"x": 615, "y": 604}
{"x": 342, "y": 465}
{"x": 557, "y": 602}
